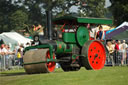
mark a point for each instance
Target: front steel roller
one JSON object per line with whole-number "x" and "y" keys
{"x": 35, "y": 61}
{"x": 94, "y": 55}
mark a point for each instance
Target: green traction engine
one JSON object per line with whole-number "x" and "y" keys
{"x": 73, "y": 51}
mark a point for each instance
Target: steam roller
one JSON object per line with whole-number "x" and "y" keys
{"x": 72, "y": 51}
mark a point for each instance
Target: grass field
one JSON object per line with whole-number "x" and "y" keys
{"x": 106, "y": 76}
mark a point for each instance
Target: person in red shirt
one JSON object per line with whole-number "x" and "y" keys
{"x": 117, "y": 46}
{"x": 117, "y": 52}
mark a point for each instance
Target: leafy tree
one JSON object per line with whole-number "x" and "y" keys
{"x": 119, "y": 9}
{"x": 6, "y": 8}
{"x": 18, "y": 19}
{"x": 92, "y": 8}
{"x": 32, "y": 12}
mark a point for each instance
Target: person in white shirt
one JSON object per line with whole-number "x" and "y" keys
{"x": 111, "y": 52}
{"x": 0, "y": 58}
{"x": 3, "y": 57}
{"x": 124, "y": 47}
{"x": 113, "y": 44}
{"x": 120, "y": 45}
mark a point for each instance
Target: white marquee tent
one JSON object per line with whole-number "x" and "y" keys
{"x": 14, "y": 38}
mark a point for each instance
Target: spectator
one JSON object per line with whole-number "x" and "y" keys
{"x": 124, "y": 48}
{"x": 119, "y": 57}
{"x": 111, "y": 52}
{"x": 120, "y": 45}
{"x": 3, "y": 56}
{"x": 16, "y": 48}
{"x": 100, "y": 34}
{"x": 0, "y": 58}
{"x": 16, "y": 51}
{"x": 7, "y": 52}
{"x": 127, "y": 54}
{"x": 19, "y": 53}
{"x": 117, "y": 46}
{"x": 10, "y": 57}
{"x": 13, "y": 58}
{"x": 113, "y": 44}
{"x": 22, "y": 49}
{"x": 19, "y": 56}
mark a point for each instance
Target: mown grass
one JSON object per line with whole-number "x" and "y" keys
{"x": 106, "y": 76}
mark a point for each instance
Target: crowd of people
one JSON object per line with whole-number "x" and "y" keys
{"x": 118, "y": 52}
{"x": 10, "y": 58}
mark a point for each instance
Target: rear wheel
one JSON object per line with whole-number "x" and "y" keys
{"x": 94, "y": 55}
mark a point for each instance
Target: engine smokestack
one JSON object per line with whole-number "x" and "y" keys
{"x": 49, "y": 24}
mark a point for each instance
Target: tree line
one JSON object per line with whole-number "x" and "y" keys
{"x": 22, "y": 14}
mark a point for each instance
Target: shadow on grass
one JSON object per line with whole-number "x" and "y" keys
{"x": 59, "y": 70}
{"x": 23, "y": 73}
{"x": 13, "y": 74}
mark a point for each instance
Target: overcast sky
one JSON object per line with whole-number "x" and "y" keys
{"x": 107, "y": 3}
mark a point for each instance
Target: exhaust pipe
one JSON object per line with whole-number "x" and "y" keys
{"x": 49, "y": 24}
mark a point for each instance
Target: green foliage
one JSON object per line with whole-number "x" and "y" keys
{"x": 25, "y": 13}
{"x": 119, "y": 9}
{"x": 18, "y": 19}
{"x": 92, "y": 8}
{"x": 34, "y": 11}
{"x": 6, "y": 8}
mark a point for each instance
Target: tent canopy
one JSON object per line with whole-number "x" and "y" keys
{"x": 14, "y": 38}
{"x": 120, "y": 33}
{"x": 123, "y": 24}
{"x": 7, "y": 40}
